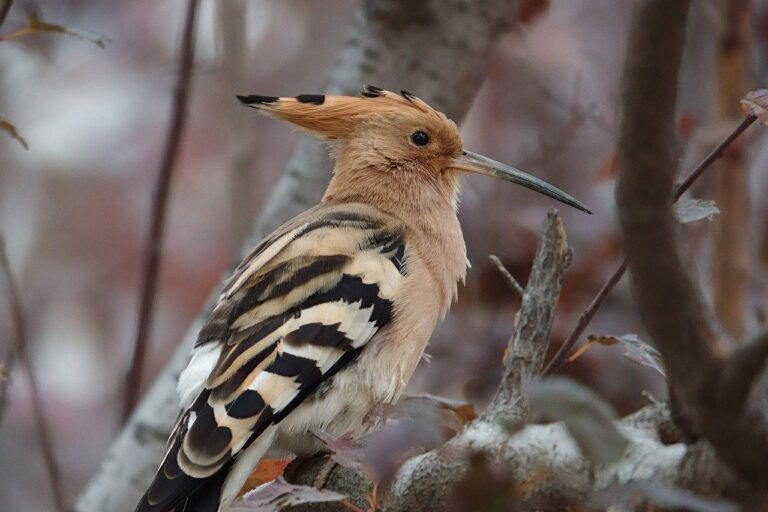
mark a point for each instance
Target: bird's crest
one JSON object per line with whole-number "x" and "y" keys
{"x": 337, "y": 117}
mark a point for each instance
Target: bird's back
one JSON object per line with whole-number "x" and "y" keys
{"x": 299, "y": 309}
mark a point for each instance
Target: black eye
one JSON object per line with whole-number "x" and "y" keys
{"x": 420, "y": 138}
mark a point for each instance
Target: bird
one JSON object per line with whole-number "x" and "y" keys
{"x": 329, "y": 315}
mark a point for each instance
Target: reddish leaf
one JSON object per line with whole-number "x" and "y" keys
{"x": 529, "y": 10}
{"x": 266, "y": 471}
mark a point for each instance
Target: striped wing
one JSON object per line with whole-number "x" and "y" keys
{"x": 297, "y": 310}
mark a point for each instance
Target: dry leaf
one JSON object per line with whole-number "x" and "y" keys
{"x": 36, "y": 25}
{"x": 279, "y": 495}
{"x": 755, "y": 103}
{"x": 266, "y": 471}
{"x": 11, "y": 130}
{"x": 635, "y": 349}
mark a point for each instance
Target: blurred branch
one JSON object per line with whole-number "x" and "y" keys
{"x": 9, "y": 128}
{"x": 696, "y": 359}
{"x": 5, "y": 7}
{"x": 159, "y": 202}
{"x": 380, "y": 50}
{"x": 597, "y": 302}
{"x": 730, "y": 261}
{"x": 572, "y": 105}
{"x": 586, "y": 317}
{"x": 742, "y": 371}
{"x": 231, "y": 35}
{"x": 20, "y": 350}
{"x": 528, "y": 345}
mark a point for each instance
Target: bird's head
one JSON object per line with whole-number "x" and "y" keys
{"x": 385, "y": 137}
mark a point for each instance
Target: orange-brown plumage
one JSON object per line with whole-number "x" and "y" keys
{"x": 329, "y": 316}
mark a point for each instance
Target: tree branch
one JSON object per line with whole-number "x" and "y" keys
{"x": 159, "y": 201}
{"x": 528, "y": 345}
{"x": 565, "y": 350}
{"x": 669, "y": 299}
{"x": 20, "y": 350}
{"x": 5, "y": 7}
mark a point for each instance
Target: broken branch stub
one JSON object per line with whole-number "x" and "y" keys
{"x": 528, "y": 345}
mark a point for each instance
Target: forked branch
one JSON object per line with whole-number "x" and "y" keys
{"x": 697, "y": 360}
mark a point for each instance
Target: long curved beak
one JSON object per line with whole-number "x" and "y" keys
{"x": 479, "y": 164}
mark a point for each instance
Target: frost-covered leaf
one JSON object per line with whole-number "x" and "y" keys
{"x": 35, "y": 25}
{"x": 756, "y": 103}
{"x": 634, "y": 494}
{"x": 588, "y": 418}
{"x": 11, "y": 130}
{"x": 279, "y": 495}
{"x": 691, "y": 210}
{"x": 635, "y": 349}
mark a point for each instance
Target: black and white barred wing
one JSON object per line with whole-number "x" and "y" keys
{"x": 300, "y": 308}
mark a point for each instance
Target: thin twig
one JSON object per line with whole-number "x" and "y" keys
{"x": 511, "y": 281}
{"x": 21, "y": 351}
{"x": 714, "y": 155}
{"x": 597, "y": 302}
{"x": 159, "y": 202}
{"x": 4, "y": 8}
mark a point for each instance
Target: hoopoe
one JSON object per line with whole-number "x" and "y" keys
{"x": 329, "y": 315}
